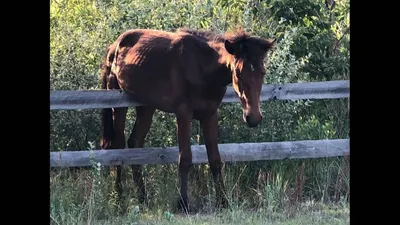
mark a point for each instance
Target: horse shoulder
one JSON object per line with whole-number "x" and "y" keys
{"x": 195, "y": 57}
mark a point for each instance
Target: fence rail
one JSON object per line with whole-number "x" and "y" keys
{"x": 92, "y": 99}
{"x": 232, "y": 152}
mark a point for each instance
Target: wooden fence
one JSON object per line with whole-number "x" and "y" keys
{"x": 92, "y": 99}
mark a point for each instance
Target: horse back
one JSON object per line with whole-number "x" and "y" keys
{"x": 160, "y": 53}
{"x": 163, "y": 68}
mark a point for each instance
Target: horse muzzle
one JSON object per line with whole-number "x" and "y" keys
{"x": 252, "y": 120}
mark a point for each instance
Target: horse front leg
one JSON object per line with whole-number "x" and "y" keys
{"x": 184, "y": 122}
{"x": 210, "y": 132}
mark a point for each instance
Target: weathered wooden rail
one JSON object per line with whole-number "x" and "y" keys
{"x": 232, "y": 152}
{"x": 92, "y": 99}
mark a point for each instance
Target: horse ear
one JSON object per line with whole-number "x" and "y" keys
{"x": 269, "y": 44}
{"x": 230, "y": 48}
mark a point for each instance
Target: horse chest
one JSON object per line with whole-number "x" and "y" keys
{"x": 205, "y": 102}
{"x": 203, "y": 108}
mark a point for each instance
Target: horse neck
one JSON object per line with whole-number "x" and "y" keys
{"x": 218, "y": 74}
{"x": 224, "y": 58}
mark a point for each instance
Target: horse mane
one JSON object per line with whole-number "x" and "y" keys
{"x": 203, "y": 34}
{"x": 234, "y": 36}
{"x": 237, "y": 36}
{"x": 254, "y": 45}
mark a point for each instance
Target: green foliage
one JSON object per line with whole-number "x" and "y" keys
{"x": 283, "y": 66}
{"x": 312, "y": 45}
{"x": 312, "y": 128}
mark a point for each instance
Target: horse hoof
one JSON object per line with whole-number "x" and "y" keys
{"x": 223, "y": 204}
{"x": 142, "y": 200}
{"x": 183, "y": 206}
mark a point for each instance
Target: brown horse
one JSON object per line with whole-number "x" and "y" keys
{"x": 185, "y": 73}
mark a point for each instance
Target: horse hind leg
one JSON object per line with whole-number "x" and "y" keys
{"x": 119, "y": 115}
{"x": 144, "y": 118}
{"x": 113, "y": 120}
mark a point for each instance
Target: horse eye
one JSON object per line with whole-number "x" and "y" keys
{"x": 252, "y": 67}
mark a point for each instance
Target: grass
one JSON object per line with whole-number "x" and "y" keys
{"x": 311, "y": 191}
{"x": 307, "y": 214}
{"x": 332, "y": 215}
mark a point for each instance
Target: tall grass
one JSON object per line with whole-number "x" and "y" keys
{"x": 280, "y": 188}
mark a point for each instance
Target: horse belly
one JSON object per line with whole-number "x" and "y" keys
{"x": 151, "y": 92}
{"x": 151, "y": 85}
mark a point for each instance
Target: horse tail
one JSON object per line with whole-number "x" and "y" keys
{"x": 107, "y": 123}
